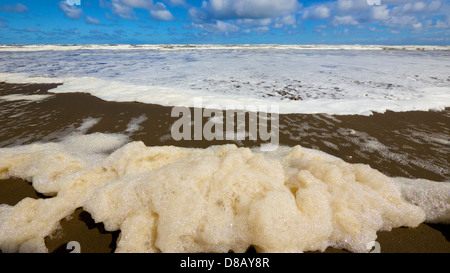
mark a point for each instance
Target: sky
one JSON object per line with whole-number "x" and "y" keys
{"x": 387, "y": 22}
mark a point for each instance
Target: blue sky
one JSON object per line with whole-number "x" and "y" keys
{"x": 225, "y": 22}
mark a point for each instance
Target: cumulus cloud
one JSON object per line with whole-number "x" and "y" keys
{"x": 344, "y": 20}
{"x": 352, "y": 5}
{"x": 417, "y": 8}
{"x": 417, "y": 26}
{"x": 252, "y": 9}
{"x": 397, "y": 14}
{"x": 262, "y": 16}
{"x": 246, "y": 15}
{"x": 380, "y": 13}
{"x": 418, "y": 15}
{"x": 123, "y": 11}
{"x": 160, "y": 12}
{"x": 434, "y": 5}
{"x": 254, "y": 23}
{"x": 70, "y": 11}
{"x": 126, "y": 8}
{"x": 243, "y": 9}
{"x": 319, "y": 12}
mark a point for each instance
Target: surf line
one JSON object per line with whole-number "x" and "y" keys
{"x": 252, "y": 123}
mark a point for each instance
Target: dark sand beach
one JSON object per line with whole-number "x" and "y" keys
{"x": 407, "y": 144}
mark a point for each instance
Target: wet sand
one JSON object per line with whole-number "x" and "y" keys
{"x": 410, "y": 144}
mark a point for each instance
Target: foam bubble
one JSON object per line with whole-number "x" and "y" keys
{"x": 433, "y": 197}
{"x": 217, "y": 199}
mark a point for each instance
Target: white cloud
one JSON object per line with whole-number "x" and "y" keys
{"x": 92, "y": 20}
{"x": 410, "y": 8}
{"x": 160, "y": 12}
{"x": 402, "y": 21}
{"x": 143, "y": 4}
{"x": 417, "y": 26}
{"x": 70, "y": 11}
{"x": 319, "y": 12}
{"x": 252, "y": 9}
{"x": 198, "y": 15}
{"x": 434, "y": 5}
{"x": 245, "y": 15}
{"x": 261, "y": 30}
{"x": 417, "y": 15}
{"x": 345, "y": 4}
{"x": 352, "y": 5}
{"x": 263, "y": 25}
{"x": 443, "y": 24}
{"x": 287, "y": 20}
{"x": 217, "y": 27}
{"x": 254, "y": 23}
{"x": 419, "y": 8}
{"x": 380, "y": 13}
{"x": 226, "y": 27}
{"x": 125, "y": 9}
{"x": 344, "y": 20}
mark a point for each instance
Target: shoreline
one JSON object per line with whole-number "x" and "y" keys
{"x": 410, "y": 144}
{"x": 395, "y": 143}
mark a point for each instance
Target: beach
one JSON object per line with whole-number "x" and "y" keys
{"x": 225, "y": 129}
{"x": 410, "y": 144}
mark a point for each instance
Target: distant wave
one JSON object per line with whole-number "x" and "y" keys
{"x": 212, "y": 46}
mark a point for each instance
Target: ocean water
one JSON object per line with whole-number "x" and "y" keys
{"x": 300, "y": 79}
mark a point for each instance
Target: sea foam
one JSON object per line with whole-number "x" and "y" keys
{"x": 222, "y": 198}
{"x": 30, "y": 98}
{"x": 300, "y": 79}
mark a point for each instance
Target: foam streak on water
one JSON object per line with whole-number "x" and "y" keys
{"x": 300, "y": 79}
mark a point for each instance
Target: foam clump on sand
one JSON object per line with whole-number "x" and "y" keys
{"x": 170, "y": 199}
{"x": 433, "y": 197}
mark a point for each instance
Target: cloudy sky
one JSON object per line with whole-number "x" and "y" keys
{"x": 225, "y": 22}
